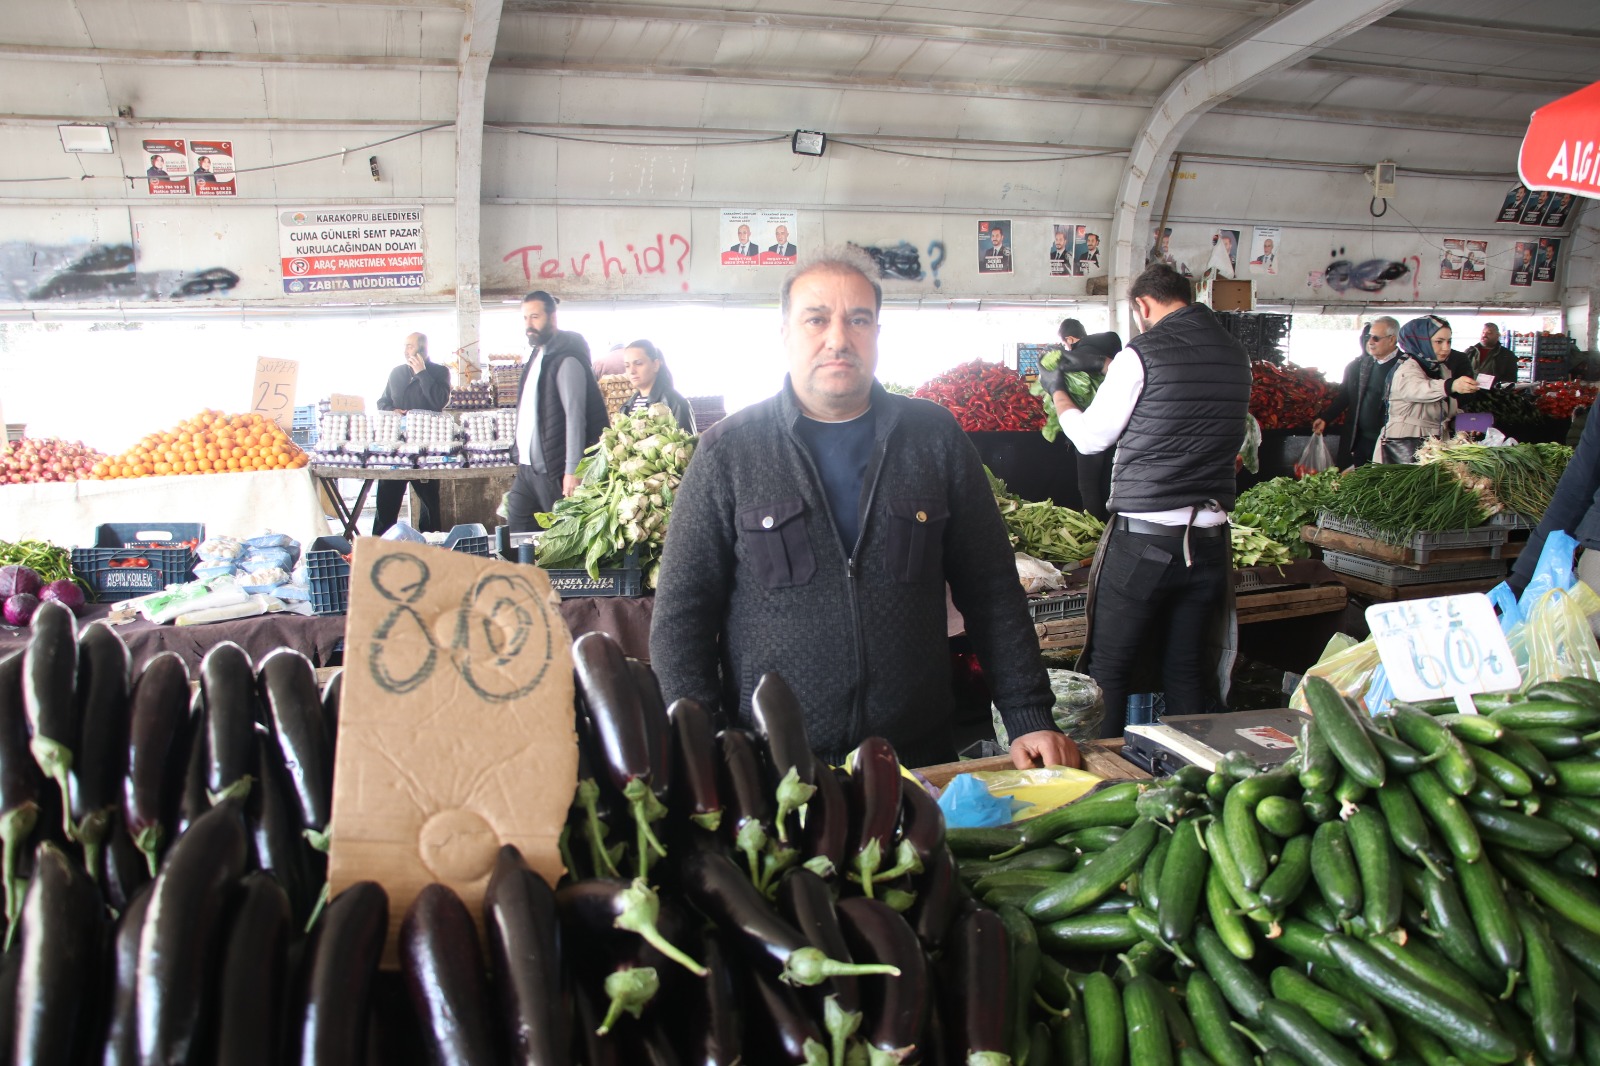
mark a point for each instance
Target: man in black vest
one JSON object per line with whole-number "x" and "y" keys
{"x": 1174, "y": 405}
{"x": 560, "y": 412}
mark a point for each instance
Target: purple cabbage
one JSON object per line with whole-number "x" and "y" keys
{"x": 18, "y": 579}
{"x": 67, "y": 593}
{"x": 19, "y": 608}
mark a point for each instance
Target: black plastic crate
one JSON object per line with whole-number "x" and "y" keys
{"x": 132, "y": 559}
{"x": 469, "y": 538}
{"x": 1051, "y": 608}
{"x": 626, "y": 580}
{"x": 329, "y": 575}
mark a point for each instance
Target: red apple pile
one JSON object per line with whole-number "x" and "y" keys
{"x": 35, "y": 460}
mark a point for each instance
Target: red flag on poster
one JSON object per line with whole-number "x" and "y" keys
{"x": 1561, "y": 150}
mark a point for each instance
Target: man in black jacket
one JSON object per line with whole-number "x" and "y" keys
{"x": 560, "y": 412}
{"x": 1363, "y": 396}
{"x": 414, "y": 385}
{"x": 1173, "y": 404}
{"x": 813, "y": 536}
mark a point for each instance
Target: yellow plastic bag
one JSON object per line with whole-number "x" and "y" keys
{"x": 1555, "y": 639}
{"x": 1350, "y": 671}
{"x": 1046, "y": 788}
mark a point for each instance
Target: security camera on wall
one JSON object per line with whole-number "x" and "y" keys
{"x": 1383, "y": 179}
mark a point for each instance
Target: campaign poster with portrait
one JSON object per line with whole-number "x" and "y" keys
{"x": 1476, "y": 266}
{"x": 1452, "y": 259}
{"x": 994, "y": 246}
{"x": 737, "y": 238}
{"x": 1533, "y": 211}
{"x": 1522, "y": 264}
{"x": 1555, "y": 216}
{"x": 1265, "y": 243}
{"x": 213, "y": 168}
{"x": 167, "y": 170}
{"x": 1225, "y": 251}
{"x": 1088, "y": 262}
{"x": 777, "y": 234}
{"x": 1544, "y": 259}
{"x": 1516, "y": 200}
{"x": 1063, "y": 248}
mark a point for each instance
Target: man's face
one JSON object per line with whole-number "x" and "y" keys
{"x": 997, "y": 237}
{"x": 1381, "y": 342}
{"x": 1227, "y": 242}
{"x": 831, "y": 338}
{"x": 744, "y": 234}
{"x": 414, "y": 356}
{"x": 1094, "y": 242}
{"x": 157, "y": 162}
{"x": 1491, "y": 337}
{"x": 1266, "y": 246}
{"x": 1061, "y": 242}
{"x": 539, "y": 324}
{"x": 782, "y": 233}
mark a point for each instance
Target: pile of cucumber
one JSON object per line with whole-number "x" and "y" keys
{"x": 1415, "y": 888}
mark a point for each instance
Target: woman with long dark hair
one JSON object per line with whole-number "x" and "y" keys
{"x": 647, "y": 369}
{"x": 1422, "y": 392}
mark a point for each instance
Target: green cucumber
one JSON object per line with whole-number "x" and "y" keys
{"x": 1407, "y": 827}
{"x": 1089, "y": 932}
{"x": 1023, "y": 973}
{"x": 1288, "y": 879}
{"x": 1447, "y": 813}
{"x": 1149, "y": 1039}
{"x": 1501, "y": 770}
{"x": 1573, "y": 817}
{"x": 1555, "y": 742}
{"x": 1180, "y": 1027}
{"x": 1038, "y": 880}
{"x": 1347, "y": 734}
{"x": 1488, "y": 795}
{"x": 1510, "y": 829}
{"x": 1046, "y": 858}
{"x": 1244, "y": 837}
{"x": 1379, "y": 1038}
{"x": 1521, "y": 751}
{"x": 1213, "y": 1022}
{"x": 1463, "y": 1025}
{"x": 1319, "y": 769}
{"x": 1093, "y": 838}
{"x": 1375, "y": 862}
{"x": 1055, "y": 983}
{"x": 1430, "y": 968}
{"x": 1576, "y": 860}
{"x": 1579, "y": 690}
{"x": 1491, "y": 912}
{"x": 1280, "y": 816}
{"x": 1244, "y": 991}
{"x": 1453, "y": 928}
{"x": 1302, "y": 942}
{"x": 1399, "y": 756}
{"x": 1102, "y": 1014}
{"x": 1350, "y": 790}
{"x": 1039, "y": 1048}
{"x": 1581, "y": 945}
{"x": 1473, "y": 728}
{"x": 1578, "y": 777}
{"x": 1222, "y": 861}
{"x": 1333, "y": 867}
{"x": 984, "y": 842}
{"x": 1573, "y": 900}
{"x": 1308, "y": 1041}
{"x": 1150, "y": 873}
{"x": 1550, "y": 987}
{"x": 1183, "y": 881}
{"x": 1072, "y": 1039}
{"x": 1087, "y": 884}
{"x": 1328, "y": 1009}
{"x": 1228, "y": 923}
{"x": 1433, "y": 738}
{"x": 1319, "y": 807}
{"x": 1537, "y": 715}
{"x": 1114, "y": 805}
{"x": 1015, "y": 895}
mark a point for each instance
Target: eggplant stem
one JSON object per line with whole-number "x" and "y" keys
{"x": 710, "y": 821}
{"x": 55, "y": 759}
{"x": 629, "y": 990}
{"x": 321, "y": 840}
{"x": 841, "y": 1025}
{"x": 238, "y": 789}
{"x": 815, "y": 1053}
{"x": 822, "y": 866}
{"x": 792, "y": 794}
{"x": 15, "y": 826}
{"x": 809, "y": 966}
{"x": 92, "y": 833}
{"x": 868, "y": 860}
{"x": 907, "y": 861}
{"x": 988, "y": 1058}
{"x": 773, "y": 864}
{"x": 148, "y": 840}
{"x": 564, "y": 849}
{"x": 751, "y": 839}
{"x": 640, "y": 908}
{"x": 900, "y": 900}
{"x": 316, "y": 908}
{"x": 594, "y": 829}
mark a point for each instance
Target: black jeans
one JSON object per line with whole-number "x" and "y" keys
{"x": 531, "y": 492}
{"x": 424, "y": 506}
{"x": 1146, "y": 598}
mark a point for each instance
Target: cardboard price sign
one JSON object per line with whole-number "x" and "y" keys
{"x": 340, "y": 403}
{"x": 456, "y": 728}
{"x": 1448, "y": 646}
{"x": 273, "y": 393}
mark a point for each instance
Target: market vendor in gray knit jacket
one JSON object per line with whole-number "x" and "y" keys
{"x": 813, "y": 535}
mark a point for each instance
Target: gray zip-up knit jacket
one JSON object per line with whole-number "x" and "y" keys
{"x": 753, "y": 579}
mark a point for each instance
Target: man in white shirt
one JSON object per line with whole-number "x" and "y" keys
{"x": 1173, "y": 404}
{"x": 560, "y": 412}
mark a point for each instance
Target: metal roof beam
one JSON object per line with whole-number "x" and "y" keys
{"x": 477, "y": 51}
{"x": 1492, "y": 31}
{"x": 1398, "y": 120}
{"x": 1453, "y": 78}
{"x": 152, "y": 57}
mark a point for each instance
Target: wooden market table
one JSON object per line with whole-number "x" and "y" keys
{"x": 1102, "y": 758}
{"x": 349, "y": 513}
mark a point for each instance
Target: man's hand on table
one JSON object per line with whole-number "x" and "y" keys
{"x": 569, "y": 484}
{"x": 1045, "y": 747}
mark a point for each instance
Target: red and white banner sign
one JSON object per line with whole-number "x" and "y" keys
{"x": 1561, "y": 150}
{"x": 349, "y": 249}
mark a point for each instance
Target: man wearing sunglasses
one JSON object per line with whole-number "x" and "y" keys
{"x": 1364, "y": 394}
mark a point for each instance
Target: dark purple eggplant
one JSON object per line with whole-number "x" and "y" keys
{"x": 60, "y": 966}
{"x": 706, "y": 1016}
{"x": 896, "y": 1011}
{"x": 602, "y": 903}
{"x": 826, "y": 835}
{"x": 781, "y": 724}
{"x": 10, "y": 974}
{"x": 21, "y": 783}
{"x": 748, "y": 801}
{"x": 103, "y": 685}
{"x": 652, "y": 1046}
{"x": 126, "y": 872}
{"x": 186, "y": 920}
{"x": 938, "y": 899}
{"x": 49, "y": 674}
{"x": 443, "y": 966}
{"x": 806, "y": 902}
{"x": 694, "y": 758}
{"x": 122, "y": 1034}
{"x": 331, "y": 694}
{"x": 716, "y": 888}
{"x": 330, "y": 1024}
{"x": 229, "y": 686}
{"x": 875, "y": 777}
{"x": 782, "y": 1032}
{"x": 519, "y": 919}
{"x": 253, "y": 976}
{"x": 657, "y": 729}
{"x": 921, "y": 825}
{"x": 592, "y": 1047}
{"x": 977, "y": 958}
{"x": 276, "y": 842}
{"x": 288, "y": 684}
{"x": 158, "y": 722}
{"x": 617, "y": 722}
{"x": 194, "y": 799}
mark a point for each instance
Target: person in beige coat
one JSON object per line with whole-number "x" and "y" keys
{"x": 1421, "y": 393}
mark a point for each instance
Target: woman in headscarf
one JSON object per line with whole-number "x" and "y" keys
{"x": 647, "y": 369}
{"x": 1422, "y": 392}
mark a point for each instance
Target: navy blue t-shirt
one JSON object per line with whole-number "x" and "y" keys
{"x": 841, "y": 451}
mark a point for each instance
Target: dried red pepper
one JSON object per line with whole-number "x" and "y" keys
{"x": 1288, "y": 396}
{"x": 1559, "y": 399}
{"x": 985, "y": 397}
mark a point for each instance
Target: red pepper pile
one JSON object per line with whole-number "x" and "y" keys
{"x": 1558, "y": 399}
{"x": 1288, "y": 396}
{"x": 985, "y": 396}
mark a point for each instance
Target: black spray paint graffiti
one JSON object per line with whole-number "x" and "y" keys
{"x": 84, "y": 271}
{"x": 1370, "y": 275}
{"x": 903, "y": 262}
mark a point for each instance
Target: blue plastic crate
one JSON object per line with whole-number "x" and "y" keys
{"x": 469, "y": 538}
{"x": 329, "y": 575}
{"x": 132, "y": 559}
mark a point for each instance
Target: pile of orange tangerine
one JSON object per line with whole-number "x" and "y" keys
{"x": 211, "y": 442}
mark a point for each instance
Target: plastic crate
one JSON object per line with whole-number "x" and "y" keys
{"x": 329, "y": 575}
{"x": 1487, "y": 535}
{"x": 1051, "y": 608}
{"x": 1393, "y": 574}
{"x": 626, "y": 580}
{"x": 1511, "y": 520}
{"x": 116, "y": 544}
{"x": 469, "y": 538}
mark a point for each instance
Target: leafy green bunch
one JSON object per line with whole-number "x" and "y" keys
{"x": 1081, "y": 386}
{"x": 1045, "y": 531}
{"x": 627, "y": 482}
{"x": 1280, "y": 506}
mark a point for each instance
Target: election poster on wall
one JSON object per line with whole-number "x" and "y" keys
{"x": 213, "y": 168}
{"x": 350, "y": 249}
{"x": 168, "y": 170}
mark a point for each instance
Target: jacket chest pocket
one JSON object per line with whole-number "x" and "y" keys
{"x": 916, "y": 539}
{"x": 776, "y": 543}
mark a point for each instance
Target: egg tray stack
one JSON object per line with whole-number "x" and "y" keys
{"x": 433, "y": 439}
{"x": 489, "y": 436}
{"x": 381, "y": 445}
{"x": 506, "y": 380}
{"x": 616, "y": 388}
{"x": 479, "y": 396}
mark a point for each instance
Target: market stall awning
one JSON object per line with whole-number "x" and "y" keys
{"x": 1561, "y": 150}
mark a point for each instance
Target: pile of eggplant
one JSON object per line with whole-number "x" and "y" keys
{"x": 730, "y": 898}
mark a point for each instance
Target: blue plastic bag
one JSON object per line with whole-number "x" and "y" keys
{"x": 967, "y": 803}
{"x": 1554, "y": 570}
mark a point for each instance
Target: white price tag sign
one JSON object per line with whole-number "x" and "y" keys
{"x": 273, "y": 392}
{"x": 1448, "y": 646}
